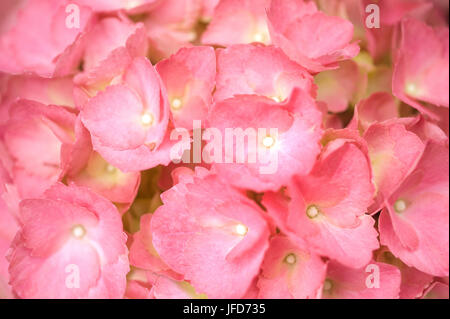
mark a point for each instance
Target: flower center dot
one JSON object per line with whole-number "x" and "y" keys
{"x": 411, "y": 89}
{"x": 258, "y": 37}
{"x": 176, "y": 104}
{"x": 241, "y": 229}
{"x": 147, "y": 119}
{"x": 290, "y": 259}
{"x": 327, "y": 285}
{"x": 276, "y": 99}
{"x": 312, "y": 211}
{"x": 268, "y": 141}
{"x": 400, "y": 206}
{"x": 78, "y": 231}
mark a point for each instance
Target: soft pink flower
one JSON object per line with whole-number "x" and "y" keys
{"x": 189, "y": 78}
{"x": 393, "y": 151}
{"x": 238, "y": 22}
{"x": 379, "y": 281}
{"x": 325, "y": 210}
{"x": 54, "y": 91}
{"x": 421, "y": 66}
{"x": 128, "y": 121}
{"x": 113, "y": 36}
{"x": 310, "y": 37}
{"x": 41, "y": 41}
{"x": 70, "y": 231}
{"x": 251, "y": 149}
{"x": 33, "y": 137}
{"x": 217, "y": 245}
{"x": 171, "y": 25}
{"x": 414, "y": 224}
{"x": 289, "y": 271}
{"x": 414, "y": 282}
{"x": 378, "y": 107}
{"x": 85, "y": 167}
{"x": 381, "y": 41}
{"x": 292, "y": 149}
{"x": 260, "y": 70}
{"x": 142, "y": 253}
{"x": 338, "y": 88}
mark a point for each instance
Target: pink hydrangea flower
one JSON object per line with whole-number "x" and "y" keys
{"x": 414, "y": 282}
{"x": 171, "y": 25}
{"x": 70, "y": 231}
{"x": 290, "y": 25}
{"x": 274, "y": 158}
{"x": 33, "y": 137}
{"x": 260, "y": 70}
{"x": 45, "y": 46}
{"x": 421, "y": 68}
{"x": 393, "y": 152}
{"x": 325, "y": 210}
{"x": 378, "y": 107}
{"x": 82, "y": 166}
{"x": 217, "y": 245}
{"x": 381, "y": 41}
{"x": 238, "y": 22}
{"x": 143, "y": 254}
{"x": 54, "y": 91}
{"x": 113, "y": 37}
{"x": 419, "y": 236}
{"x": 289, "y": 271}
{"x": 338, "y": 88}
{"x": 348, "y": 283}
{"x": 189, "y": 79}
{"x": 251, "y": 149}
{"x": 128, "y": 121}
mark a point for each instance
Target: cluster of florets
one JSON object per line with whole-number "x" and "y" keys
{"x": 224, "y": 149}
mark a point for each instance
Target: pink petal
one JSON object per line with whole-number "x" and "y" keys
{"x": 348, "y": 283}
{"x": 238, "y": 22}
{"x": 189, "y": 78}
{"x": 255, "y": 69}
{"x": 289, "y": 271}
{"x": 419, "y": 241}
{"x": 421, "y": 71}
{"x": 218, "y": 246}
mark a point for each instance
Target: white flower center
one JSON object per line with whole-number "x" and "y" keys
{"x": 276, "y": 99}
{"x": 241, "y": 229}
{"x": 78, "y": 231}
{"x": 400, "y": 206}
{"x": 258, "y": 37}
{"x": 412, "y": 89}
{"x": 268, "y": 141}
{"x": 176, "y": 104}
{"x": 312, "y": 211}
{"x": 147, "y": 119}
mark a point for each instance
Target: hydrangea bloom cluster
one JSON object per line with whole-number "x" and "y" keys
{"x": 224, "y": 149}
